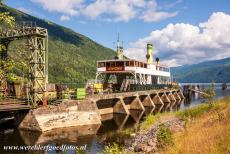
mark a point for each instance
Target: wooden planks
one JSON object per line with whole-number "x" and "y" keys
{"x": 12, "y": 106}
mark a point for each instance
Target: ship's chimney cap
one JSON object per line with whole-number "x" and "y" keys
{"x": 149, "y": 44}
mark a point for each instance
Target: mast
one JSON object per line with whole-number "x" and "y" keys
{"x": 120, "y": 55}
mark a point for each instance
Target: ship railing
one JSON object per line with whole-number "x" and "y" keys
{"x": 162, "y": 68}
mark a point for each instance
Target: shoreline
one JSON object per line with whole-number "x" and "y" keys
{"x": 159, "y": 135}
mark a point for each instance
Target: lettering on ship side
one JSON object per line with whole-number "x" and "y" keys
{"x": 115, "y": 68}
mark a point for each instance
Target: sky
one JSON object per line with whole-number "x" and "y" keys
{"x": 181, "y": 31}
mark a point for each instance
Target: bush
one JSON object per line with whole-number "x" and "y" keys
{"x": 149, "y": 121}
{"x": 114, "y": 149}
{"x": 209, "y": 93}
{"x": 164, "y": 136}
{"x": 2, "y": 96}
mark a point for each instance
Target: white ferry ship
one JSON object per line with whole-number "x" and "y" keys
{"x": 122, "y": 74}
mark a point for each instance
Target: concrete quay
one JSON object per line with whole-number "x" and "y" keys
{"x": 76, "y": 113}
{"x": 69, "y": 113}
{"x": 124, "y": 102}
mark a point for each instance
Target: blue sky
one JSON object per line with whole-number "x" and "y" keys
{"x": 142, "y": 21}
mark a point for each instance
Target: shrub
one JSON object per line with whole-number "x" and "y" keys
{"x": 209, "y": 93}
{"x": 164, "y": 136}
{"x": 114, "y": 149}
{"x": 2, "y": 96}
{"x": 149, "y": 121}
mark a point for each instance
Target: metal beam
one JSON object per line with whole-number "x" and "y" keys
{"x": 37, "y": 42}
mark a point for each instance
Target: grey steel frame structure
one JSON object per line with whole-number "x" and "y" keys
{"x": 37, "y": 43}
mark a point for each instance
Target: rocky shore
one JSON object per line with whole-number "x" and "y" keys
{"x": 146, "y": 141}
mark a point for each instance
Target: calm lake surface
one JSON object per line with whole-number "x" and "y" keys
{"x": 94, "y": 143}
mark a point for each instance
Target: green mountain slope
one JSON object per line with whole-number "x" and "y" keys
{"x": 218, "y": 70}
{"x": 72, "y": 56}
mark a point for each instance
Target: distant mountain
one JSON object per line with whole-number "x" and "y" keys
{"x": 72, "y": 56}
{"x": 218, "y": 71}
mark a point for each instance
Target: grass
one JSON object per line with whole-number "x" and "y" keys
{"x": 197, "y": 111}
{"x": 114, "y": 149}
{"x": 223, "y": 145}
{"x": 128, "y": 131}
{"x": 148, "y": 122}
{"x": 207, "y": 132}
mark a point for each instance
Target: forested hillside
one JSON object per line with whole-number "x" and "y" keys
{"x": 72, "y": 56}
{"x": 218, "y": 71}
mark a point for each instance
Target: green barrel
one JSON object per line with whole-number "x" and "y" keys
{"x": 80, "y": 93}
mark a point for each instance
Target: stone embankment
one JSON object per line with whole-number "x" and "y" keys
{"x": 146, "y": 141}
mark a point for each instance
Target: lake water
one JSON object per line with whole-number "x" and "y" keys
{"x": 93, "y": 143}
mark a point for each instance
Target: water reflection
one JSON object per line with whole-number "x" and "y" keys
{"x": 74, "y": 136}
{"x": 150, "y": 110}
{"x": 69, "y": 135}
{"x": 112, "y": 122}
{"x": 196, "y": 98}
{"x": 158, "y": 108}
{"x": 177, "y": 105}
{"x": 138, "y": 114}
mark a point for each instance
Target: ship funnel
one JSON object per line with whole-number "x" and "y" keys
{"x": 149, "y": 55}
{"x": 119, "y": 52}
{"x": 120, "y": 55}
{"x": 157, "y": 63}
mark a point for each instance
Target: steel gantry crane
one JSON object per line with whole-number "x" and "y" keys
{"x": 37, "y": 43}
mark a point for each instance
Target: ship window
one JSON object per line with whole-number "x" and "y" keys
{"x": 127, "y": 63}
{"x": 112, "y": 64}
{"x": 108, "y": 64}
{"x": 136, "y": 63}
{"x": 101, "y": 64}
{"x": 160, "y": 68}
{"x": 145, "y": 65}
{"x": 132, "y": 63}
{"x": 142, "y": 65}
{"x": 120, "y": 63}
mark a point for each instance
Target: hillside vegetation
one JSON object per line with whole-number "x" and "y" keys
{"x": 218, "y": 70}
{"x": 72, "y": 56}
{"x": 207, "y": 130}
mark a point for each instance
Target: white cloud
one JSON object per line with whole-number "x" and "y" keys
{"x": 169, "y": 5}
{"x": 117, "y": 10}
{"x": 95, "y": 9}
{"x": 82, "y": 22}
{"x": 179, "y": 44}
{"x": 64, "y": 18}
{"x": 125, "y": 10}
{"x": 152, "y": 16}
{"x": 121, "y": 10}
{"x": 68, "y": 7}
